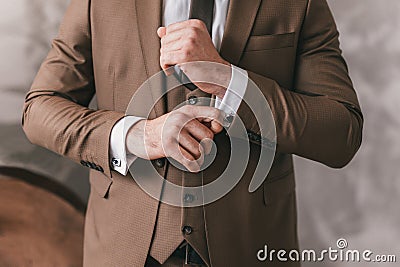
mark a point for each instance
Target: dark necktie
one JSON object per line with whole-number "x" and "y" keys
{"x": 168, "y": 233}
{"x": 204, "y": 11}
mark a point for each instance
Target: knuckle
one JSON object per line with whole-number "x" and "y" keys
{"x": 209, "y": 135}
{"x": 170, "y": 143}
{"x": 186, "y": 52}
{"x": 179, "y": 117}
{"x": 185, "y": 49}
{"x": 196, "y": 31}
{"x": 214, "y": 113}
{"x": 190, "y": 41}
{"x": 192, "y": 22}
{"x": 180, "y": 137}
{"x": 197, "y": 23}
{"x": 169, "y": 139}
{"x": 175, "y": 129}
{"x": 193, "y": 32}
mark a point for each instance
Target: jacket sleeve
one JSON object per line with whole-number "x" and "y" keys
{"x": 320, "y": 118}
{"x": 56, "y": 114}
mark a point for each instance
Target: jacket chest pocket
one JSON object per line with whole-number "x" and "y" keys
{"x": 272, "y": 56}
{"x": 270, "y": 41}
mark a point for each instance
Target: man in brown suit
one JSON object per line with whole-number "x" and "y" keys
{"x": 289, "y": 48}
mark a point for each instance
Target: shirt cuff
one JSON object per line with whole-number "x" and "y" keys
{"x": 234, "y": 93}
{"x": 120, "y": 161}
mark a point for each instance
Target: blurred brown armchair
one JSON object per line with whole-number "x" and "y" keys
{"x": 41, "y": 221}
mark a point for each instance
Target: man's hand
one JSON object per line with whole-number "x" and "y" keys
{"x": 181, "y": 134}
{"x": 189, "y": 41}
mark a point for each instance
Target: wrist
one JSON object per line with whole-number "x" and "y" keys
{"x": 224, "y": 62}
{"x": 135, "y": 136}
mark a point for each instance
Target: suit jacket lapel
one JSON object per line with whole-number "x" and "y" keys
{"x": 148, "y": 14}
{"x": 240, "y": 21}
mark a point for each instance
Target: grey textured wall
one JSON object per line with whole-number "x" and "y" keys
{"x": 359, "y": 203}
{"x": 26, "y": 28}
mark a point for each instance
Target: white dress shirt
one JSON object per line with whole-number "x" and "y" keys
{"x": 178, "y": 11}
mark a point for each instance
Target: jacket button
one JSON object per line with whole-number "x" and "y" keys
{"x": 92, "y": 165}
{"x": 187, "y": 230}
{"x": 188, "y": 198}
{"x": 193, "y": 100}
{"x": 269, "y": 144}
{"x": 116, "y": 162}
{"x": 160, "y": 163}
{"x": 251, "y": 136}
{"x": 99, "y": 168}
{"x": 229, "y": 119}
{"x": 85, "y": 164}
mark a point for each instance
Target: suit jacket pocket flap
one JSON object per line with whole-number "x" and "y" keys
{"x": 270, "y": 41}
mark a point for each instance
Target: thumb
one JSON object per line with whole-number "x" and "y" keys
{"x": 162, "y": 31}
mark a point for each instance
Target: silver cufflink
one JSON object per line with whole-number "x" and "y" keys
{"x": 116, "y": 162}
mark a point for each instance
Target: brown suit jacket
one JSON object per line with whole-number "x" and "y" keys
{"x": 110, "y": 47}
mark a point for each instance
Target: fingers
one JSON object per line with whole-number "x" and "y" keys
{"x": 201, "y": 133}
{"x": 191, "y": 23}
{"x": 207, "y": 114}
{"x": 171, "y": 47}
{"x": 169, "y": 43}
{"x": 212, "y": 117}
{"x": 186, "y": 138}
{"x": 216, "y": 127}
{"x": 184, "y": 157}
{"x": 171, "y": 38}
{"x": 178, "y": 42}
{"x": 187, "y": 160}
{"x": 198, "y": 130}
{"x": 190, "y": 144}
{"x": 171, "y": 58}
